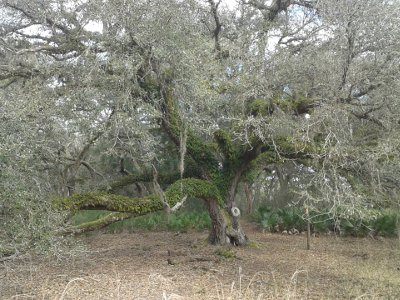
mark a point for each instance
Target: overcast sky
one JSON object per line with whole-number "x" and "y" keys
{"x": 230, "y": 3}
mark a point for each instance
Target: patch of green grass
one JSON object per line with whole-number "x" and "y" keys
{"x": 189, "y": 220}
{"x": 87, "y": 216}
{"x": 180, "y": 221}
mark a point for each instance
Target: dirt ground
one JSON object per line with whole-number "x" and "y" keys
{"x": 166, "y": 265}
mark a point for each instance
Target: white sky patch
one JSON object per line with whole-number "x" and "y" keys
{"x": 273, "y": 41}
{"x": 55, "y": 83}
{"x": 94, "y": 26}
{"x": 231, "y": 4}
{"x": 37, "y": 29}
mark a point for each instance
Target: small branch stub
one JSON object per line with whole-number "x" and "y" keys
{"x": 235, "y": 211}
{"x": 179, "y": 204}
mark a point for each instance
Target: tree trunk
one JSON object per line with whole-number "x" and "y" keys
{"x": 218, "y": 224}
{"x": 235, "y": 233}
{"x": 249, "y": 197}
{"x": 234, "y": 230}
{"x": 225, "y": 228}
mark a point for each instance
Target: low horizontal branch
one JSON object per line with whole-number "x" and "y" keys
{"x": 163, "y": 178}
{"x": 189, "y": 187}
{"x": 143, "y": 177}
{"x": 99, "y": 223}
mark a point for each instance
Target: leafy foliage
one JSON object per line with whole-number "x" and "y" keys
{"x": 28, "y": 222}
{"x": 382, "y": 222}
{"x": 309, "y": 82}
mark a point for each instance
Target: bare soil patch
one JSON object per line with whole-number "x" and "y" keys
{"x": 166, "y": 265}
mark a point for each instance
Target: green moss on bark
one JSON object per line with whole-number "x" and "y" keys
{"x": 111, "y": 202}
{"x": 200, "y": 151}
{"x": 101, "y": 223}
{"x": 260, "y": 107}
{"x": 193, "y": 188}
{"x": 226, "y": 145}
{"x": 190, "y": 187}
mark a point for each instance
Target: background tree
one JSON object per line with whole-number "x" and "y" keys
{"x": 104, "y": 88}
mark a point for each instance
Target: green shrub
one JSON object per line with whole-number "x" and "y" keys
{"x": 386, "y": 224}
{"x": 292, "y": 217}
{"x": 380, "y": 222}
{"x": 280, "y": 219}
{"x": 266, "y": 217}
{"x": 355, "y": 227}
{"x": 189, "y": 220}
{"x": 321, "y": 222}
{"x": 271, "y": 221}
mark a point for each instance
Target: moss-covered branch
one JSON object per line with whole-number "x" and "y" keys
{"x": 110, "y": 202}
{"x": 259, "y": 164}
{"x": 198, "y": 150}
{"x": 143, "y": 177}
{"x": 99, "y": 223}
{"x": 161, "y": 87}
{"x": 190, "y": 187}
{"x": 147, "y": 176}
{"x": 226, "y": 145}
{"x": 278, "y": 151}
{"x": 193, "y": 188}
{"x": 290, "y": 148}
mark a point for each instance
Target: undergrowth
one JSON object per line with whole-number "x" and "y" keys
{"x": 180, "y": 221}
{"x": 380, "y": 222}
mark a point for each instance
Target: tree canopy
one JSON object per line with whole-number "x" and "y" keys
{"x": 190, "y": 98}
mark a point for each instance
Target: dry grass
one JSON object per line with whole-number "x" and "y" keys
{"x": 168, "y": 266}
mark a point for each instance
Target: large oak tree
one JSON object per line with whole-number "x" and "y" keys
{"x": 95, "y": 87}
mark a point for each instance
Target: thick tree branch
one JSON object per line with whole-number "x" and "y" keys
{"x": 226, "y": 146}
{"x": 193, "y": 188}
{"x": 147, "y": 177}
{"x": 87, "y": 166}
{"x": 97, "y": 224}
{"x": 172, "y": 124}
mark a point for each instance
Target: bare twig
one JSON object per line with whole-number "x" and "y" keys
{"x": 161, "y": 194}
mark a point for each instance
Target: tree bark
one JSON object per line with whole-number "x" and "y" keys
{"x": 249, "y": 197}
{"x": 99, "y": 223}
{"x": 218, "y": 234}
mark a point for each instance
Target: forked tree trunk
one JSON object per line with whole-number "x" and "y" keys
{"x": 223, "y": 229}
{"x": 236, "y": 234}
{"x": 234, "y": 229}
